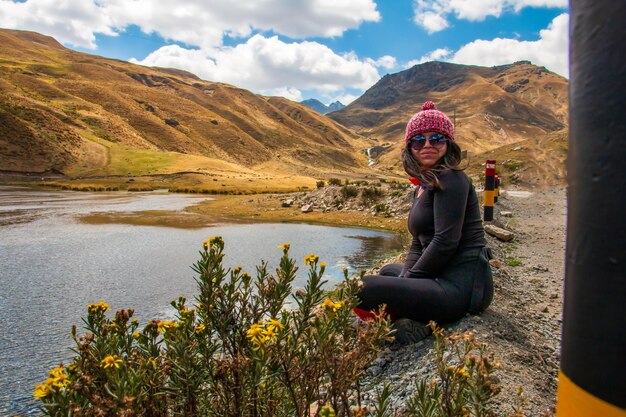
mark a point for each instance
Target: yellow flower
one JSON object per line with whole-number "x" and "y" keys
{"x": 113, "y": 327}
{"x": 111, "y": 361}
{"x": 322, "y": 265}
{"x": 210, "y": 242}
{"x": 201, "y": 328}
{"x": 284, "y": 247}
{"x": 237, "y": 270}
{"x": 41, "y": 391}
{"x": 311, "y": 258}
{"x": 463, "y": 373}
{"x": 330, "y": 305}
{"x": 99, "y": 307}
{"x": 255, "y": 331}
{"x": 137, "y": 335}
{"x": 57, "y": 378}
{"x": 274, "y": 324}
{"x": 163, "y": 326}
{"x": 269, "y": 333}
{"x": 135, "y": 322}
{"x": 187, "y": 314}
{"x": 259, "y": 336}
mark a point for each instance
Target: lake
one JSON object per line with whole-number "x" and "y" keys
{"x": 59, "y": 251}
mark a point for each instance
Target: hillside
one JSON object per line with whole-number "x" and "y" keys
{"x": 84, "y": 115}
{"x": 493, "y": 107}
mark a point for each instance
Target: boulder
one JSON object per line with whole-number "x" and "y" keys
{"x": 306, "y": 208}
{"x": 498, "y": 232}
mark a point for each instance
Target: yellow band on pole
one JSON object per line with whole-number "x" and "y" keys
{"x": 489, "y": 195}
{"x": 573, "y": 401}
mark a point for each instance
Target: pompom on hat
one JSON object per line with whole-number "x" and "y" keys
{"x": 429, "y": 119}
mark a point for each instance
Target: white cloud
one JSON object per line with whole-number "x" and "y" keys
{"x": 267, "y": 64}
{"x": 433, "y": 15}
{"x": 550, "y": 50}
{"x": 263, "y": 64}
{"x": 431, "y": 21}
{"x": 386, "y": 62}
{"x": 74, "y": 22}
{"x": 290, "y": 93}
{"x": 440, "y": 54}
{"x": 193, "y": 22}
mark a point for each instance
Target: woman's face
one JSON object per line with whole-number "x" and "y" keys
{"x": 428, "y": 156}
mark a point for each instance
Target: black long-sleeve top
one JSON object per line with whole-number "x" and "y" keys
{"x": 442, "y": 222}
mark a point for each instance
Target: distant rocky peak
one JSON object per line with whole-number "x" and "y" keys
{"x": 320, "y": 107}
{"x": 337, "y": 105}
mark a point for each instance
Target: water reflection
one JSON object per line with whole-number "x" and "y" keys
{"x": 371, "y": 247}
{"x": 52, "y": 265}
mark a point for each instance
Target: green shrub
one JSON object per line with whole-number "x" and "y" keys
{"x": 236, "y": 352}
{"x": 371, "y": 193}
{"x": 380, "y": 208}
{"x": 464, "y": 384}
{"x": 334, "y": 181}
{"x": 320, "y": 184}
{"x": 349, "y": 191}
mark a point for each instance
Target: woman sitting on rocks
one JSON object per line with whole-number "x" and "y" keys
{"x": 447, "y": 272}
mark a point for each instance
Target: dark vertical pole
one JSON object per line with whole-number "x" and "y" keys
{"x": 496, "y": 193}
{"x": 490, "y": 184}
{"x": 592, "y": 381}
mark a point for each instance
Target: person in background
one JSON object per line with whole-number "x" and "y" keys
{"x": 446, "y": 273}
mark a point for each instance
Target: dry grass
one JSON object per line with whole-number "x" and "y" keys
{"x": 534, "y": 163}
{"x": 268, "y": 209}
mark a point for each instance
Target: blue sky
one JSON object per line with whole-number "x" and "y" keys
{"x": 325, "y": 49}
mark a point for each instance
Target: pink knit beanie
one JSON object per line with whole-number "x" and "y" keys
{"x": 429, "y": 120}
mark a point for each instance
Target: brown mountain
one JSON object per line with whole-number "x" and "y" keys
{"x": 493, "y": 107}
{"x": 87, "y": 115}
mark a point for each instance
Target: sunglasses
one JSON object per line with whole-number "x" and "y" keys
{"x": 437, "y": 140}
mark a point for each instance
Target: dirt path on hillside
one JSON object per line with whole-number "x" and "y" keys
{"x": 523, "y": 324}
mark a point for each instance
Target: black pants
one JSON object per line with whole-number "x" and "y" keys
{"x": 465, "y": 285}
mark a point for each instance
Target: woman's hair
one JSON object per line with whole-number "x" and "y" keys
{"x": 430, "y": 178}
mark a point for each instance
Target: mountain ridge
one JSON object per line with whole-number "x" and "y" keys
{"x": 84, "y": 115}
{"x": 492, "y": 106}
{"x": 89, "y": 116}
